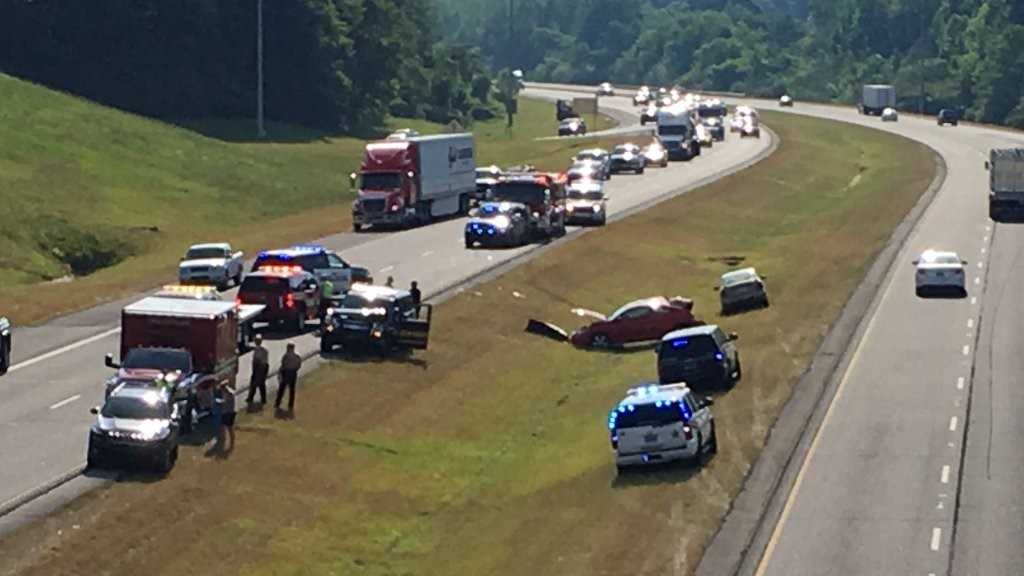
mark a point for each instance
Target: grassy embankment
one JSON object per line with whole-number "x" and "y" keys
{"x": 491, "y": 455}
{"x": 115, "y": 198}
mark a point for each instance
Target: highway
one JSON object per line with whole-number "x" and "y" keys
{"x": 58, "y": 373}
{"x": 916, "y": 466}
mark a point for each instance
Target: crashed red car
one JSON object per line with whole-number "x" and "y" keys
{"x": 639, "y": 321}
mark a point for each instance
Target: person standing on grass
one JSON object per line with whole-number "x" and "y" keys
{"x": 414, "y": 291}
{"x": 290, "y": 365}
{"x": 226, "y": 428}
{"x": 260, "y": 368}
{"x": 390, "y": 283}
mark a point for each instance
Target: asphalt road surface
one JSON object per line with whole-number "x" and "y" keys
{"x": 917, "y": 467}
{"x": 58, "y": 372}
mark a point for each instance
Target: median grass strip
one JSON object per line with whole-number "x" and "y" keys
{"x": 105, "y": 202}
{"x": 489, "y": 454}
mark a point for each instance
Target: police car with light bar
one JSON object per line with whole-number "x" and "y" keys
{"x": 379, "y": 317}
{"x": 661, "y": 423}
{"x": 317, "y": 260}
{"x": 498, "y": 223}
{"x": 290, "y": 295}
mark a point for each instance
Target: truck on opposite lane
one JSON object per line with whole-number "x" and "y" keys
{"x": 413, "y": 181}
{"x": 1006, "y": 182}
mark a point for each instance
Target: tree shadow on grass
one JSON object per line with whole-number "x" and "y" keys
{"x": 244, "y": 131}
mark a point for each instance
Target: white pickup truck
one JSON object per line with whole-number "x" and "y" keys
{"x": 213, "y": 264}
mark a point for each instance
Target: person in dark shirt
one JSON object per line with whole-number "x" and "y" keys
{"x": 414, "y": 290}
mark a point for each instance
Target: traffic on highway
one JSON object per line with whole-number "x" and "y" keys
{"x": 425, "y": 215}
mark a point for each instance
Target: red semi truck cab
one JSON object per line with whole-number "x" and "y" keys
{"x": 414, "y": 180}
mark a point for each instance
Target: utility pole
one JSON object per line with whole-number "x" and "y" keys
{"x": 259, "y": 68}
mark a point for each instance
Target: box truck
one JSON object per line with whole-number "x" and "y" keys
{"x": 413, "y": 181}
{"x": 1006, "y": 182}
{"x": 877, "y": 97}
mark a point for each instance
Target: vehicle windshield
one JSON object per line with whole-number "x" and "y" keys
{"x": 308, "y": 262}
{"x": 523, "y": 193}
{"x": 134, "y": 408}
{"x": 736, "y": 278}
{"x": 692, "y": 347}
{"x": 202, "y": 253}
{"x": 486, "y": 173}
{"x": 594, "y": 156}
{"x": 625, "y": 149}
{"x": 942, "y": 259}
{"x": 712, "y": 112}
{"x": 673, "y": 130}
{"x": 586, "y": 194}
{"x": 153, "y": 359}
{"x": 651, "y": 415}
{"x": 357, "y": 301}
{"x": 381, "y": 181}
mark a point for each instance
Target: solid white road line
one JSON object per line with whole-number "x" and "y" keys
{"x": 63, "y": 349}
{"x": 936, "y": 536}
{"x": 960, "y": 383}
{"x": 952, "y": 424}
{"x": 65, "y": 402}
{"x": 945, "y": 474}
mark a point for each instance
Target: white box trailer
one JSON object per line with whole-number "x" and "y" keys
{"x": 877, "y": 97}
{"x": 1006, "y": 181}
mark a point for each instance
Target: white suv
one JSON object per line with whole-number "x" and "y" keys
{"x": 655, "y": 424}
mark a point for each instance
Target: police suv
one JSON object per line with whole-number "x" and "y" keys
{"x": 656, "y": 424}
{"x": 318, "y": 261}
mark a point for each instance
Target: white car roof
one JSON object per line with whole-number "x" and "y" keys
{"x": 737, "y": 276}
{"x": 939, "y": 257}
{"x": 650, "y": 393}
{"x": 221, "y": 245}
{"x": 653, "y": 302}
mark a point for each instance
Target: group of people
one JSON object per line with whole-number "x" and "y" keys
{"x": 288, "y": 375}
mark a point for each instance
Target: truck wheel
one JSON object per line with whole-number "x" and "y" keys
{"x": 469, "y": 244}
{"x": 713, "y": 442}
{"x": 357, "y": 227}
{"x": 187, "y": 421}
{"x": 325, "y": 346}
{"x": 300, "y": 322}
{"x": 166, "y": 460}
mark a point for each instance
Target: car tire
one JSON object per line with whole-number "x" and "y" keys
{"x": 765, "y": 303}
{"x": 641, "y": 170}
{"x": 713, "y": 443}
{"x": 166, "y": 462}
{"x": 187, "y": 420}
{"x": 357, "y": 227}
{"x": 300, "y": 322}
{"x": 93, "y": 461}
{"x": 5, "y": 357}
{"x": 600, "y": 341}
{"x": 737, "y": 374}
{"x": 325, "y": 346}
{"x": 698, "y": 459}
{"x": 238, "y": 279}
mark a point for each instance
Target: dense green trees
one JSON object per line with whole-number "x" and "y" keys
{"x": 957, "y": 53}
{"x": 331, "y": 64}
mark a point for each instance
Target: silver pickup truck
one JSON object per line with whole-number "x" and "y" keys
{"x": 214, "y": 264}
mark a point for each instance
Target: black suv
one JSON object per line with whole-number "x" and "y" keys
{"x": 136, "y": 424}
{"x": 703, "y": 357}
{"x": 948, "y": 116}
{"x": 376, "y": 317}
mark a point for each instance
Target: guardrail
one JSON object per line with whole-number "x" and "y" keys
{"x": 625, "y": 87}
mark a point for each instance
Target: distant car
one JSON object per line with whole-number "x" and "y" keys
{"x": 704, "y": 357}
{"x": 656, "y": 154}
{"x": 586, "y": 203}
{"x": 890, "y": 115}
{"x": 215, "y": 264}
{"x": 786, "y": 101}
{"x": 751, "y": 127}
{"x": 572, "y": 127}
{"x": 605, "y": 89}
{"x": 643, "y": 96}
{"x": 639, "y": 321}
{"x": 585, "y": 170}
{"x": 648, "y": 114}
{"x": 703, "y": 135}
{"x": 6, "y": 341}
{"x": 657, "y": 424}
{"x": 736, "y": 124}
{"x": 940, "y": 271}
{"x": 486, "y": 177}
{"x": 740, "y": 290}
{"x": 714, "y": 127}
{"x": 598, "y": 155}
{"x": 948, "y": 116}
{"x": 628, "y": 157}
{"x": 403, "y": 134}
{"x": 136, "y": 424}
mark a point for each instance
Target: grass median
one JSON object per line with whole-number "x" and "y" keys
{"x": 101, "y": 204}
{"x": 489, "y": 453}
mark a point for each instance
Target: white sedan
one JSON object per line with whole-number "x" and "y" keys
{"x": 940, "y": 271}
{"x": 890, "y": 115}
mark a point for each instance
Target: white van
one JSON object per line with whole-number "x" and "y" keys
{"x": 655, "y": 424}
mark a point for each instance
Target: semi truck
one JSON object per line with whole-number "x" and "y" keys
{"x": 877, "y": 97}
{"x": 677, "y": 132}
{"x": 1006, "y": 182}
{"x": 413, "y": 181}
{"x": 190, "y": 344}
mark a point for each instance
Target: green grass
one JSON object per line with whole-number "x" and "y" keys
{"x": 490, "y": 456}
{"x": 114, "y": 198}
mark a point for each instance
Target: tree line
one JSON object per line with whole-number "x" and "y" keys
{"x": 336, "y": 65}
{"x": 964, "y": 54}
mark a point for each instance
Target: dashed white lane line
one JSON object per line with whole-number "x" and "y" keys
{"x": 427, "y": 253}
{"x": 386, "y": 269}
{"x": 970, "y": 322}
{"x": 960, "y": 383}
{"x": 980, "y": 264}
{"x": 59, "y": 351}
{"x": 977, "y": 280}
{"x": 967, "y": 349}
{"x": 945, "y": 474}
{"x": 936, "y": 536}
{"x": 983, "y": 249}
{"x": 974, "y": 299}
{"x": 952, "y": 424}
{"x": 65, "y": 402}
